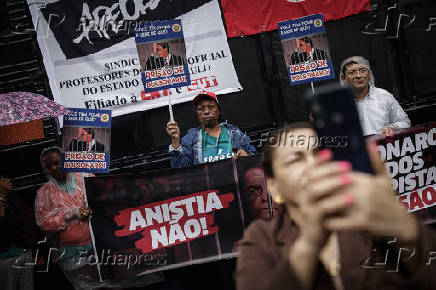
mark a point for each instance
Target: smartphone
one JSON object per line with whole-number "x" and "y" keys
{"x": 336, "y": 121}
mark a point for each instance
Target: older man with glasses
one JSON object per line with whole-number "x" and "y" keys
{"x": 379, "y": 111}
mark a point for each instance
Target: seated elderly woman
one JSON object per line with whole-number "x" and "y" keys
{"x": 61, "y": 211}
{"x": 339, "y": 229}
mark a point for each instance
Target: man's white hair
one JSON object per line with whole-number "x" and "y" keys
{"x": 360, "y": 60}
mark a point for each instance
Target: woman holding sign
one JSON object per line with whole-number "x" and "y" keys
{"x": 330, "y": 235}
{"x": 61, "y": 211}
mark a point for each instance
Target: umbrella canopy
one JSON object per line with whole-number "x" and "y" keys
{"x": 19, "y": 107}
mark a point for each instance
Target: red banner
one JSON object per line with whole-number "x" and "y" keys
{"x": 246, "y": 17}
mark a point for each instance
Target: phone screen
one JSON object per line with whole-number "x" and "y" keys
{"x": 336, "y": 121}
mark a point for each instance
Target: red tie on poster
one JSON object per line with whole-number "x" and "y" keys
{"x": 246, "y": 17}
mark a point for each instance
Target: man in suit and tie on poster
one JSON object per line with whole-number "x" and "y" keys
{"x": 305, "y": 51}
{"x": 85, "y": 141}
{"x": 162, "y": 57}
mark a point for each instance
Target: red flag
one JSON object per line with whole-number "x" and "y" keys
{"x": 246, "y": 17}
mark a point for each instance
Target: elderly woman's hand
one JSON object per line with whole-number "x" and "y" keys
{"x": 85, "y": 213}
{"x": 373, "y": 206}
{"x": 81, "y": 213}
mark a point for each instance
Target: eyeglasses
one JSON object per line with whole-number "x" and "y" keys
{"x": 360, "y": 71}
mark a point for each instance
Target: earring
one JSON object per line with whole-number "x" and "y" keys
{"x": 278, "y": 199}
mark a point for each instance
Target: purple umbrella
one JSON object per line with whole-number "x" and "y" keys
{"x": 20, "y": 107}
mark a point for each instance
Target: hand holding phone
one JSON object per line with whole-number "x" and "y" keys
{"x": 337, "y": 123}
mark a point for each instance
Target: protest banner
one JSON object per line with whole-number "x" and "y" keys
{"x": 172, "y": 218}
{"x": 409, "y": 158}
{"x": 162, "y": 55}
{"x": 90, "y": 54}
{"x": 246, "y": 17}
{"x": 306, "y": 50}
{"x": 86, "y": 140}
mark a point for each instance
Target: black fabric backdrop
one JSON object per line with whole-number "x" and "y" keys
{"x": 402, "y": 63}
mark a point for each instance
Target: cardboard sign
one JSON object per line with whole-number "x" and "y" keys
{"x": 86, "y": 141}
{"x": 306, "y": 49}
{"x": 162, "y": 55}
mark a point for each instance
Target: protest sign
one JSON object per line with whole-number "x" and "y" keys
{"x": 162, "y": 55}
{"x": 92, "y": 62}
{"x": 86, "y": 141}
{"x": 306, "y": 49}
{"x": 409, "y": 158}
{"x": 168, "y": 219}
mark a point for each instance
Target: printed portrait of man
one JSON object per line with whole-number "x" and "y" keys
{"x": 255, "y": 199}
{"x": 85, "y": 141}
{"x": 305, "y": 51}
{"x": 162, "y": 56}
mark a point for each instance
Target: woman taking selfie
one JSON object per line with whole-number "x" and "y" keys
{"x": 340, "y": 229}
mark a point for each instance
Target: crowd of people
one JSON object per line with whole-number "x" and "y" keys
{"x": 315, "y": 220}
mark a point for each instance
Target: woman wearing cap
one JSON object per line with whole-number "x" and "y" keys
{"x": 212, "y": 141}
{"x": 329, "y": 235}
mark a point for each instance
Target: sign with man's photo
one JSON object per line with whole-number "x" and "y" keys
{"x": 162, "y": 55}
{"x": 306, "y": 49}
{"x": 172, "y": 218}
{"x": 86, "y": 140}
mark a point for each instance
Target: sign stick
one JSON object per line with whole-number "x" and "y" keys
{"x": 170, "y": 107}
